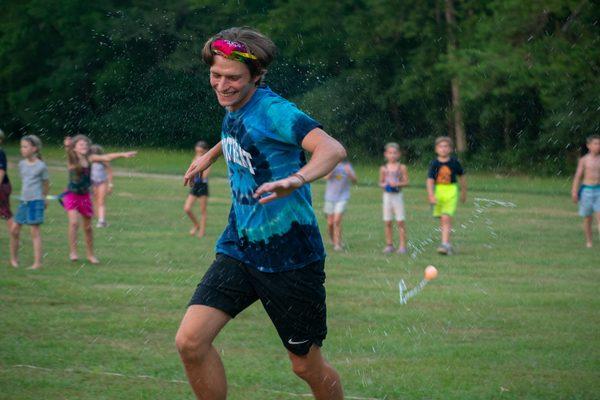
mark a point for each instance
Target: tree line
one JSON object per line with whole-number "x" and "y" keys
{"x": 515, "y": 83}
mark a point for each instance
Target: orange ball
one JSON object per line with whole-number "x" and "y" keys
{"x": 430, "y": 273}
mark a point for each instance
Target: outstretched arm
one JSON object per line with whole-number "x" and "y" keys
{"x": 326, "y": 154}
{"x": 203, "y": 163}
{"x": 577, "y": 181}
{"x": 111, "y": 156}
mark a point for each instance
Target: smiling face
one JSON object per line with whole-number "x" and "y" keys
{"x": 232, "y": 82}
{"x": 27, "y": 149}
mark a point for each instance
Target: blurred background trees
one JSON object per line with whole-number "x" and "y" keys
{"x": 516, "y": 82}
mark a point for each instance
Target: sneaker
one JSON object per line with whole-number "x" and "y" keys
{"x": 337, "y": 247}
{"x": 101, "y": 224}
{"x": 389, "y": 249}
{"x": 445, "y": 249}
{"x": 401, "y": 250}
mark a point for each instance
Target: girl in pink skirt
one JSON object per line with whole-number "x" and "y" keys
{"x": 76, "y": 200}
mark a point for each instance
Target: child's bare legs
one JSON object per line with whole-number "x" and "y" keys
{"x": 36, "y": 238}
{"x": 446, "y": 226}
{"x": 587, "y": 229}
{"x": 14, "y": 230}
{"x": 100, "y": 201}
{"x": 89, "y": 239}
{"x": 330, "y": 226}
{"x": 187, "y": 207}
{"x": 73, "y": 226}
{"x": 389, "y": 238}
{"x": 203, "y": 200}
{"x": 337, "y": 231}
{"x": 402, "y": 234}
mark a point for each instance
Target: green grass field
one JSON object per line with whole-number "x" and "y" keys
{"x": 514, "y": 315}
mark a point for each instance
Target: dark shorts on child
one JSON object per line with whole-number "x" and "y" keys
{"x": 5, "y": 191}
{"x": 199, "y": 189}
{"x": 293, "y": 299}
{"x": 30, "y": 212}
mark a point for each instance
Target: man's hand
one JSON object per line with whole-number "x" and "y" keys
{"x": 196, "y": 167}
{"x": 277, "y": 189}
{"x": 575, "y": 196}
{"x": 432, "y": 199}
{"x": 463, "y": 197}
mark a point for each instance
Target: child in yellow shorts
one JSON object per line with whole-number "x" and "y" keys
{"x": 445, "y": 176}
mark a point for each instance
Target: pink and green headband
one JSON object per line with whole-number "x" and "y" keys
{"x": 233, "y": 51}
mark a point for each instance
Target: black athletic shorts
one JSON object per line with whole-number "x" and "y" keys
{"x": 294, "y": 300}
{"x": 199, "y": 189}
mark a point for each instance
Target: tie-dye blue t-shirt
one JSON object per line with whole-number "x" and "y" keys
{"x": 262, "y": 143}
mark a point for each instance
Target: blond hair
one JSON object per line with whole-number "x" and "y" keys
{"x": 447, "y": 139}
{"x": 392, "y": 145}
{"x": 35, "y": 142}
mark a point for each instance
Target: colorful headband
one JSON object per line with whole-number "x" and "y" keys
{"x": 233, "y": 51}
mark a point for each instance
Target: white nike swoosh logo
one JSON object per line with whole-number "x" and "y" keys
{"x": 290, "y": 341}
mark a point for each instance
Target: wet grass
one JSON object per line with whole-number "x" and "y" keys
{"x": 513, "y": 315}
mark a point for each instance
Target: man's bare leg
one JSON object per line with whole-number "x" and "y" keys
{"x": 203, "y": 366}
{"x": 324, "y": 381}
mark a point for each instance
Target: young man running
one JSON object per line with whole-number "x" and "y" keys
{"x": 271, "y": 249}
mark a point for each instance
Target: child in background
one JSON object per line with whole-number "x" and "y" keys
{"x": 586, "y": 187}
{"x": 198, "y": 191}
{"x": 35, "y": 186}
{"x": 393, "y": 176}
{"x": 444, "y": 173}
{"x": 337, "y": 194}
{"x": 76, "y": 200}
{"x": 102, "y": 185}
{"x": 5, "y": 191}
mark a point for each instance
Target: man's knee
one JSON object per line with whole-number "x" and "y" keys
{"x": 301, "y": 369}
{"x": 306, "y": 369}
{"x": 191, "y": 346}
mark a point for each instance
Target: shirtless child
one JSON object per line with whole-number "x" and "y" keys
{"x": 586, "y": 187}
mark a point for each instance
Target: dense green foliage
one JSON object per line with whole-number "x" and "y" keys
{"x": 370, "y": 70}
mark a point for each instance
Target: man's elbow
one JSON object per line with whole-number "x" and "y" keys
{"x": 340, "y": 152}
